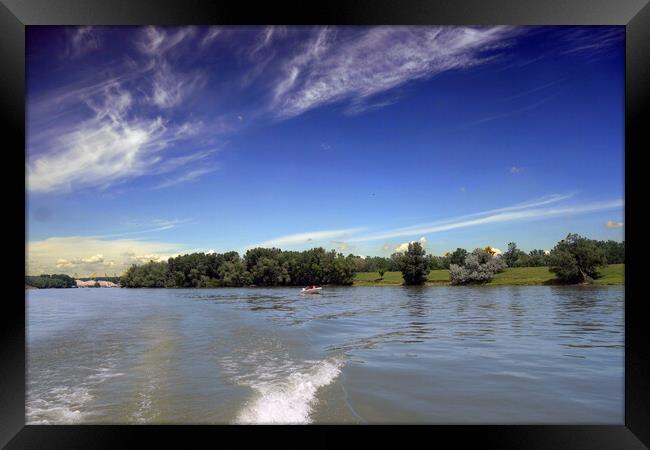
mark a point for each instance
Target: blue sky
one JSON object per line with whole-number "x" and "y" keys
{"x": 146, "y": 142}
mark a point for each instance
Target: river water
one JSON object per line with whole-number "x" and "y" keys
{"x": 489, "y": 355}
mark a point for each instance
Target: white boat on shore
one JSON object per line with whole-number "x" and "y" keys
{"x": 311, "y": 290}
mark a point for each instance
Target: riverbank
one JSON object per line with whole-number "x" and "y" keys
{"x": 613, "y": 274}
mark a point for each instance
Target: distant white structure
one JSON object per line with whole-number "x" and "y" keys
{"x": 91, "y": 283}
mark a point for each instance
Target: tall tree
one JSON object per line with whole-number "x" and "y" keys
{"x": 458, "y": 256}
{"x": 576, "y": 259}
{"x": 413, "y": 264}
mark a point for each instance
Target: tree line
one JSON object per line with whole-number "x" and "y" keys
{"x": 574, "y": 259}
{"x": 50, "y": 281}
{"x": 513, "y": 256}
{"x": 258, "y": 267}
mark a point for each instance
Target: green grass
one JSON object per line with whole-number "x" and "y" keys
{"x": 517, "y": 276}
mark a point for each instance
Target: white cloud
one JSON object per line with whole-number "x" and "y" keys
{"x": 514, "y": 213}
{"x": 83, "y": 255}
{"x": 99, "y": 258}
{"x": 536, "y": 209}
{"x": 111, "y": 146}
{"x": 122, "y": 137}
{"x": 170, "y": 88}
{"x": 156, "y": 41}
{"x": 211, "y": 34}
{"x": 104, "y": 149}
{"x": 64, "y": 263}
{"x": 377, "y": 59}
{"x": 592, "y": 39}
{"x": 160, "y": 225}
{"x": 266, "y": 38}
{"x": 342, "y": 246}
{"x": 83, "y": 40}
{"x": 612, "y": 224}
{"x": 515, "y": 169}
{"x": 404, "y": 246}
{"x": 310, "y": 237}
{"x": 190, "y": 175}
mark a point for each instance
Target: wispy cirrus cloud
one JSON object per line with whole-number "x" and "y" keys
{"x": 504, "y": 215}
{"x": 312, "y": 238}
{"x": 515, "y": 111}
{"x": 124, "y": 120}
{"x": 170, "y": 88}
{"x": 338, "y": 64}
{"x": 210, "y": 35}
{"x": 189, "y": 175}
{"x": 266, "y": 37}
{"x": 111, "y": 146}
{"x": 106, "y": 130}
{"x": 83, "y": 40}
{"x": 155, "y": 226}
{"x": 156, "y": 41}
{"x": 535, "y": 209}
{"x": 593, "y": 40}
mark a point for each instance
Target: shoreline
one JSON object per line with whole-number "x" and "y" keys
{"x": 612, "y": 275}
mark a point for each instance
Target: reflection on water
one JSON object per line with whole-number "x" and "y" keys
{"x": 349, "y": 355}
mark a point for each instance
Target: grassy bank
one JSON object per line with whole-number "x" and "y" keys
{"x": 522, "y": 276}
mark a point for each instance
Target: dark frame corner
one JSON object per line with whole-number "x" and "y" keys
{"x": 15, "y": 15}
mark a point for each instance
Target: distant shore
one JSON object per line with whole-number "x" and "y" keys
{"x": 614, "y": 274}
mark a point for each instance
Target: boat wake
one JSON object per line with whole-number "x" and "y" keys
{"x": 290, "y": 400}
{"x": 60, "y": 401}
{"x": 65, "y": 405}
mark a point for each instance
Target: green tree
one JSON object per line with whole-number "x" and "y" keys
{"x": 45, "y": 281}
{"x": 234, "y": 274}
{"x": 537, "y": 258}
{"x": 576, "y": 259}
{"x": 514, "y": 257}
{"x": 268, "y": 272}
{"x": 413, "y": 265}
{"x": 478, "y": 267}
{"x": 614, "y": 251}
{"x": 457, "y": 257}
{"x": 150, "y": 275}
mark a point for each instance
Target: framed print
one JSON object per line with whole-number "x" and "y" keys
{"x": 361, "y": 214}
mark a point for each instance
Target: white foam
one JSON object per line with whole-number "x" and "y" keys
{"x": 289, "y": 400}
{"x": 66, "y": 404}
{"x": 63, "y": 407}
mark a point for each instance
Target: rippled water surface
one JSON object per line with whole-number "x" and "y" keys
{"x": 350, "y": 355}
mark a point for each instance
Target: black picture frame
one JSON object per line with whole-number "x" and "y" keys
{"x": 633, "y": 14}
